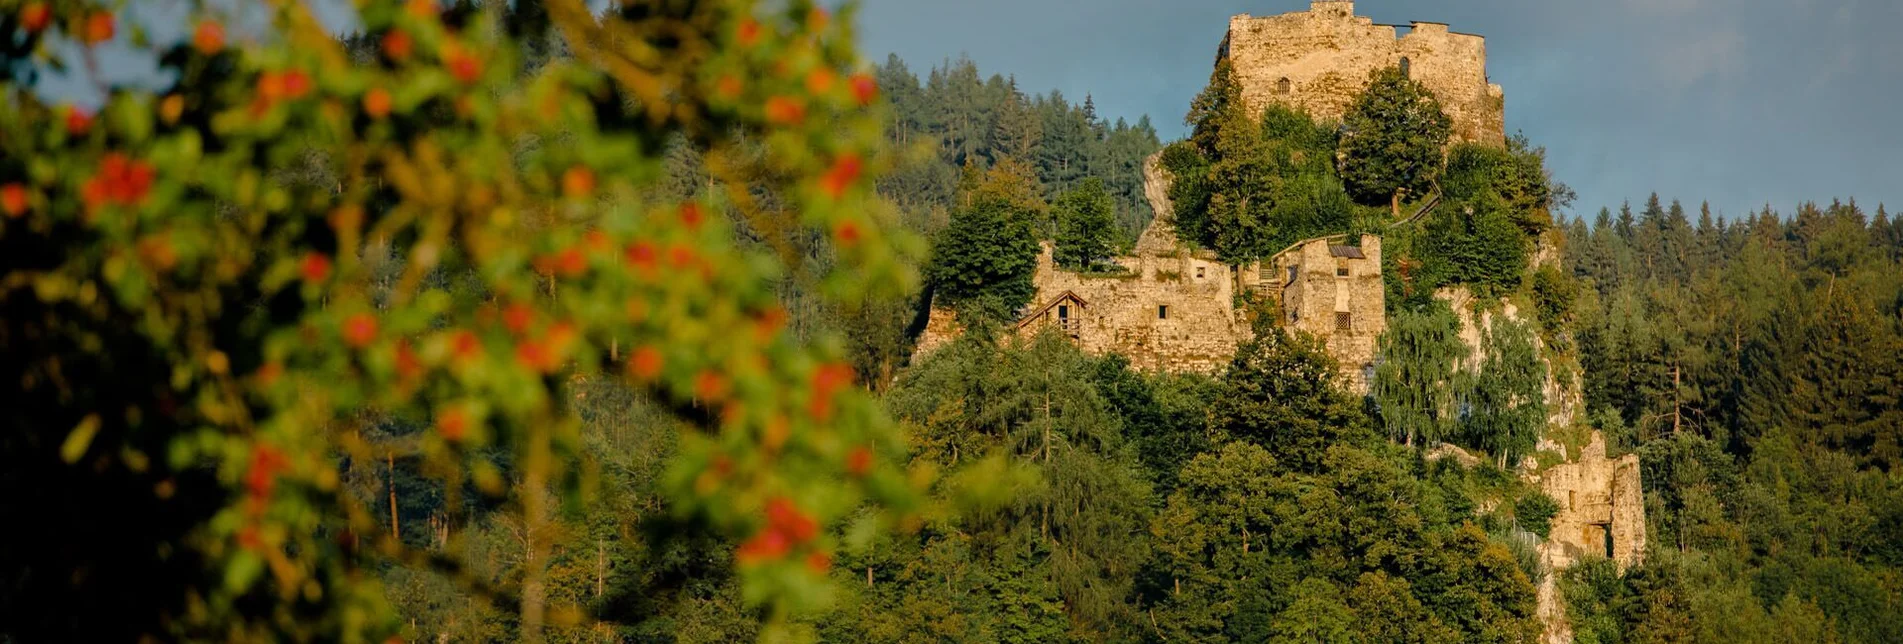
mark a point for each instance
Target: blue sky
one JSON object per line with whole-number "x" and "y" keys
{"x": 1739, "y": 102}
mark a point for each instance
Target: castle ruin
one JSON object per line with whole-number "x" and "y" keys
{"x": 1319, "y": 60}
{"x": 1173, "y": 308}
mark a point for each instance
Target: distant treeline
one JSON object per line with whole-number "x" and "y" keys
{"x": 1756, "y": 366}
{"x": 967, "y": 118}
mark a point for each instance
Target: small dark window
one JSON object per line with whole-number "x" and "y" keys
{"x": 1199, "y": 272}
{"x": 1344, "y": 321}
{"x": 1341, "y": 271}
{"x": 1063, "y": 312}
{"x": 1293, "y": 271}
{"x": 1406, "y": 66}
{"x": 1162, "y": 311}
{"x": 1284, "y": 86}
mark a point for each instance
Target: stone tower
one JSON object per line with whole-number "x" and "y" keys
{"x": 1319, "y": 60}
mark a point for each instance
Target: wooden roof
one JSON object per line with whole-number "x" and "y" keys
{"x": 1061, "y": 297}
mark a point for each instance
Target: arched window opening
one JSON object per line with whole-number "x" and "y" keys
{"x": 1405, "y": 65}
{"x": 1283, "y": 86}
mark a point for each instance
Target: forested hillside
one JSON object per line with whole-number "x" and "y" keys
{"x": 1756, "y": 366}
{"x": 959, "y": 118}
{"x": 502, "y": 322}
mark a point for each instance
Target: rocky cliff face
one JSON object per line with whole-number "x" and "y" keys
{"x": 1159, "y": 238}
{"x": 1564, "y": 399}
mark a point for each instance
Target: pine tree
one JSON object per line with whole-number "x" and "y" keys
{"x": 1016, "y": 131}
{"x": 1209, "y": 112}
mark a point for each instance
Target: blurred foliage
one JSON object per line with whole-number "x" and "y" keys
{"x": 232, "y": 300}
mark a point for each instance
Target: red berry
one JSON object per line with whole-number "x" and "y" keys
{"x": 748, "y": 33}
{"x": 786, "y": 518}
{"x": 315, "y": 267}
{"x": 642, "y": 256}
{"x": 209, "y": 37}
{"x": 819, "y": 80}
{"x": 766, "y": 546}
{"x": 864, "y": 88}
{"x": 710, "y": 386}
{"x": 35, "y": 16}
{"x": 99, "y": 27}
{"x": 818, "y": 562}
{"x": 517, "y": 318}
{"x": 859, "y": 461}
{"x": 578, "y": 182}
{"x": 571, "y": 262}
{"x": 728, "y": 87}
{"x": 781, "y": 110}
{"x": 645, "y": 364}
{"x": 842, "y": 175}
{"x": 453, "y": 424}
{"x": 360, "y": 330}
{"x": 296, "y": 84}
{"x": 463, "y": 66}
{"x": 465, "y": 345}
{"x": 13, "y": 199}
{"x": 534, "y": 356}
{"x": 847, "y": 232}
{"x": 407, "y": 366}
{"x": 397, "y": 45}
{"x": 376, "y": 103}
{"x": 77, "y": 121}
{"x": 691, "y": 215}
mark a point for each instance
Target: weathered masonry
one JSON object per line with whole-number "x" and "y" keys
{"x": 1319, "y": 60}
{"x": 1172, "y": 308}
{"x": 1334, "y": 292}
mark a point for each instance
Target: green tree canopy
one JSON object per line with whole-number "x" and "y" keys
{"x": 1283, "y": 392}
{"x": 983, "y": 262}
{"x": 1086, "y": 227}
{"x": 1393, "y": 139}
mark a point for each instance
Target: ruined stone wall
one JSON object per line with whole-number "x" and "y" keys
{"x": 1600, "y": 501}
{"x": 1167, "y": 313}
{"x": 1315, "y": 294}
{"x": 1320, "y": 60}
{"x": 1598, "y": 498}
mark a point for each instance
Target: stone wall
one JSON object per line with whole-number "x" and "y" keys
{"x": 1172, "y": 308}
{"x": 1334, "y": 292}
{"x": 1171, "y": 312}
{"x": 1601, "y": 508}
{"x": 1319, "y": 61}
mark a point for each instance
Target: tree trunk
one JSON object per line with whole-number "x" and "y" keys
{"x": 390, "y": 459}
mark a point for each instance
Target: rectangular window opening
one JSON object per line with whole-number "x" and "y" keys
{"x": 1162, "y": 312}
{"x": 1344, "y": 321}
{"x": 1199, "y": 272}
{"x": 1341, "y": 271}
